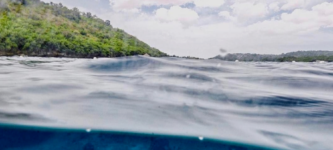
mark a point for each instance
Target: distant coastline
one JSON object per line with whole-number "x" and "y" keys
{"x": 298, "y": 56}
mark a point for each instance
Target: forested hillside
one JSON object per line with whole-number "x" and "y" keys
{"x": 35, "y": 28}
{"x": 300, "y": 56}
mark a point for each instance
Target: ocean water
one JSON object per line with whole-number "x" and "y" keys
{"x": 140, "y": 103}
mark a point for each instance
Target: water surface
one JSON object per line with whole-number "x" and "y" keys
{"x": 279, "y": 105}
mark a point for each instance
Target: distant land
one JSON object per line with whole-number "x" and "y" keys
{"x": 299, "y": 56}
{"x": 36, "y": 28}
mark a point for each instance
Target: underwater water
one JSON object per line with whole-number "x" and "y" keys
{"x": 140, "y": 103}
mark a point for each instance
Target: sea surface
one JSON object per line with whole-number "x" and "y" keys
{"x": 139, "y": 103}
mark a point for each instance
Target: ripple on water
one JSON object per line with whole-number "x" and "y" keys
{"x": 284, "y": 105}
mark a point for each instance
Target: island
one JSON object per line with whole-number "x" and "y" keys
{"x": 298, "y": 56}
{"x": 36, "y": 28}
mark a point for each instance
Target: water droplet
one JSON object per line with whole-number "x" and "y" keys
{"x": 201, "y": 138}
{"x": 88, "y": 130}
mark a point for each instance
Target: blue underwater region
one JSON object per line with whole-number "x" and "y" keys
{"x": 34, "y": 138}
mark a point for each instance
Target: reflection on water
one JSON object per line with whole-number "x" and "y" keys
{"x": 283, "y": 105}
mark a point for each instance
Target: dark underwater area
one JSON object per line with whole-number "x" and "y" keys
{"x": 38, "y": 138}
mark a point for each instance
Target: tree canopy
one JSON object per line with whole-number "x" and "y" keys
{"x": 299, "y": 56}
{"x": 35, "y": 28}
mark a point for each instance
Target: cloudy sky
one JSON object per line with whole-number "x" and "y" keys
{"x": 202, "y": 27}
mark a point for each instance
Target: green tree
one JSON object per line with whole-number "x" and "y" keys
{"x": 36, "y": 28}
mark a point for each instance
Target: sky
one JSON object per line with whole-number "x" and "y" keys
{"x": 201, "y": 28}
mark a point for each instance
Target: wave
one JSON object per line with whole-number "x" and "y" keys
{"x": 283, "y": 105}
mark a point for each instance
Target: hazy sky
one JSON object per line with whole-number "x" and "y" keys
{"x": 202, "y": 27}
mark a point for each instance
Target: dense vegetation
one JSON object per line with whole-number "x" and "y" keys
{"x": 35, "y": 28}
{"x": 299, "y": 56}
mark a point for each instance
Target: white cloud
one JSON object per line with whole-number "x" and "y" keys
{"x": 209, "y": 3}
{"x": 293, "y": 4}
{"x": 124, "y": 5}
{"x": 130, "y": 5}
{"x": 206, "y": 40}
{"x": 177, "y": 13}
{"x": 274, "y": 6}
{"x": 299, "y": 16}
{"x": 299, "y": 21}
{"x": 324, "y": 8}
{"x": 278, "y": 27}
{"x": 248, "y": 10}
{"x": 320, "y": 15}
{"x": 226, "y": 15}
